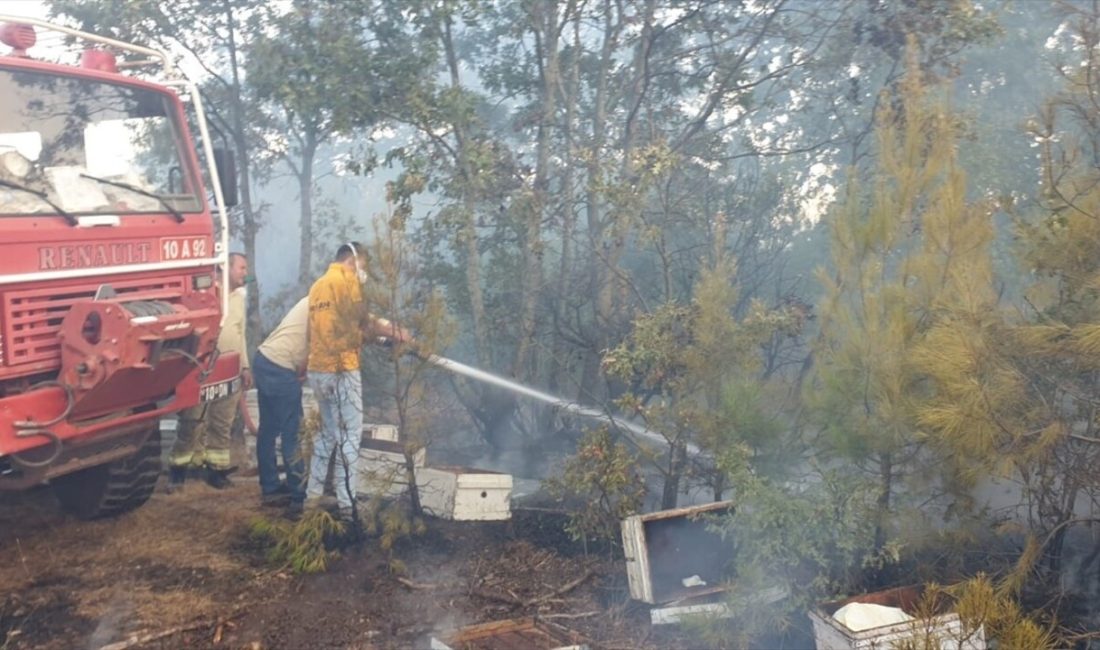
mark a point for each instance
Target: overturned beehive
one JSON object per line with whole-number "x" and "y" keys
{"x": 939, "y": 628}
{"x": 671, "y": 555}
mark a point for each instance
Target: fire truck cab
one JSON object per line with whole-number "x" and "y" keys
{"x": 110, "y": 293}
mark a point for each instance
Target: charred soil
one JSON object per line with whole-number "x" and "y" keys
{"x": 183, "y": 572}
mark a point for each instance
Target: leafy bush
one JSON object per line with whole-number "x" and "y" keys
{"x": 602, "y": 478}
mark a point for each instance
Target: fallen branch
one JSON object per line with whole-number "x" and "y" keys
{"x": 142, "y": 639}
{"x": 137, "y": 640}
{"x": 594, "y": 612}
{"x": 417, "y": 585}
{"x": 564, "y": 589}
{"x": 500, "y": 598}
{"x": 516, "y": 602}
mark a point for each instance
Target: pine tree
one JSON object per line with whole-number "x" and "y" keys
{"x": 991, "y": 392}
{"x": 1014, "y": 393}
{"x": 910, "y": 258}
{"x": 398, "y": 291}
{"x": 696, "y": 371}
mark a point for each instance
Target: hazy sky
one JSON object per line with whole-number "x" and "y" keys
{"x": 34, "y": 8}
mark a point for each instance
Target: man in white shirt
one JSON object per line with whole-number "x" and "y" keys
{"x": 279, "y": 368}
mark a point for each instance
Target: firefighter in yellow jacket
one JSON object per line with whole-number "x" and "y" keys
{"x": 338, "y": 323}
{"x": 202, "y": 440}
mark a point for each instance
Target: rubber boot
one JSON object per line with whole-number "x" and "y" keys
{"x": 294, "y": 510}
{"x": 277, "y": 499}
{"x": 218, "y": 478}
{"x": 177, "y": 475}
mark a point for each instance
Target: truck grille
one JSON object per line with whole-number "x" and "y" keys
{"x": 32, "y": 318}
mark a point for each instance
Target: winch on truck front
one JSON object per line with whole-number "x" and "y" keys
{"x": 110, "y": 304}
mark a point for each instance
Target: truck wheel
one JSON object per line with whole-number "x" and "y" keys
{"x": 113, "y": 488}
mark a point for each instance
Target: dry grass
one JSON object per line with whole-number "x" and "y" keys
{"x": 168, "y": 563}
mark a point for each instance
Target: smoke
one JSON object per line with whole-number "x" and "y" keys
{"x": 119, "y": 609}
{"x": 1080, "y": 574}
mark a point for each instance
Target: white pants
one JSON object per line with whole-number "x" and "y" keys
{"x": 340, "y": 401}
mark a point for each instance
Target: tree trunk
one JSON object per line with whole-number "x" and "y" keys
{"x": 415, "y": 507}
{"x": 250, "y": 225}
{"x": 546, "y": 40}
{"x": 882, "y": 514}
{"x": 468, "y": 231}
{"x": 598, "y": 273}
{"x": 305, "y": 210}
{"x": 677, "y": 461}
{"x": 492, "y": 408}
{"x": 560, "y": 366}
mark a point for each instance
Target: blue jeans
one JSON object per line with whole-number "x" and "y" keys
{"x": 280, "y": 399}
{"x": 340, "y": 400}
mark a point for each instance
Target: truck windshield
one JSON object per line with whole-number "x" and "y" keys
{"x": 61, "y": 137}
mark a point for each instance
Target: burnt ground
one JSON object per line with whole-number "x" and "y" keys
{"x": 185, "y": 568}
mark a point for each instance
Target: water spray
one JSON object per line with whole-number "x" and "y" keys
{"x": 638, "y": 430}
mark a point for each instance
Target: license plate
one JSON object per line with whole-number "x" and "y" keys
{"x": 183, "y": 248}
{"x": 212, "y": 392}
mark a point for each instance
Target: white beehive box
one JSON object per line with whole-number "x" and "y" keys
{"x": 465, "y": 494}
{"x": 381, "y": 467}
{"x": 381, "y": 431}
{"x": 944, "y": 631}
{"x": 664, "y": 548}
{"x": 674, "y": 615}
{"x": 711, "y": 605}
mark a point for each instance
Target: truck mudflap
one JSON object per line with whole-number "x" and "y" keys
{"x": 38, "y": 439}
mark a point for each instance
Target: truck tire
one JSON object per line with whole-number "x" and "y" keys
{"x": 114, "y": 488}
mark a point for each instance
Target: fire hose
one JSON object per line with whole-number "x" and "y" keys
{"x": 568, "y": 406}
{"x": 489, "y": 378}
{"x": 556, "y": 402}
{"x": 246, "y": 416}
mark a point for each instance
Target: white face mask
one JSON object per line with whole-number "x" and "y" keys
{"x": 360, "y": 272}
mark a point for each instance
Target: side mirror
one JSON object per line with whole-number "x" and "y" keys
{"x": 226, "y": 165}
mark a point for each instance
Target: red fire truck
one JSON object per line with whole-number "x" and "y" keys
{"x": 110, "y": 299}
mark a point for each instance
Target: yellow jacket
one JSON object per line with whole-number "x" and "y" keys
{"x": 336, "y": 314}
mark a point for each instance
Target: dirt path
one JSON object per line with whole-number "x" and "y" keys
{"x": 184, "y": 566}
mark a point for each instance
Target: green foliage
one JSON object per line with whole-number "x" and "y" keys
{"x": 911, "y": 270}
{"x": 979, "y": 601}
{"x": 391, "y": 522}
{"x": 696, "y": 362}
{"x": 314, "y": 63}
{"x": 300, "y": 545}
{"x": 1011, "y": 393}
{"x": 602, "y": 477}
{"x": 791, "y": 547}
